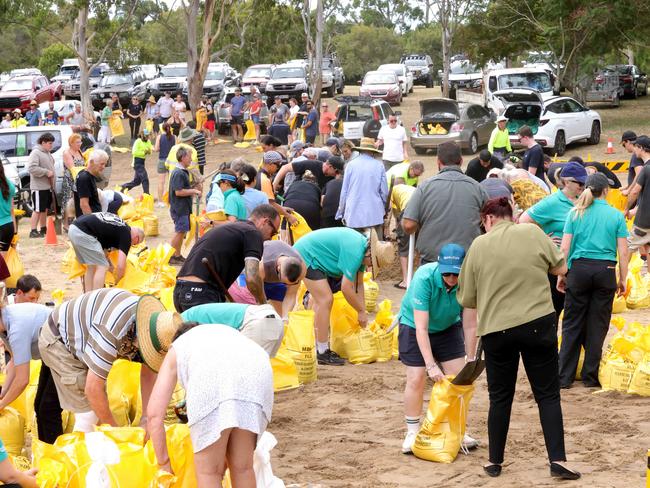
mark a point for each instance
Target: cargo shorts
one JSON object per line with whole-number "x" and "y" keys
{"x": 638, "y": 238}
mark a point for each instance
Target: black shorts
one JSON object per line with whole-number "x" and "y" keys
{"x": 41, "y": 200}
{"x": 188, "y": 294}
{"x": 402, "y": 238}
{"x": 237, "y": 120}
{"x": 316, "y": 274}
{"x": 6, "y": 236}
{"x": 445, "y": 346}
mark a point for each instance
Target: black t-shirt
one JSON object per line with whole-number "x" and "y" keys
{"x": 280, "y": 131}
{"x": 225, "y": 247}
{"x": 479, "y": 172}
{"x": 135, "y": 109}
{"x": 110, "y": 230}
{"x": 552, "y": 169}
{"x": 534, "y": 158}
{"x": 86, "y": 185}
{"x": 304, "y": 198}
{"x": 601, "y": 168}
{"x": 179, "y": 180}
{"x": 634, "y": 163}
{"x": 642, "y": 218}
{"x": 315, "y": 166}
{"x": 331, "y": 197}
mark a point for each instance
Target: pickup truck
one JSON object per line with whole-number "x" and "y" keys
{"x": 19, "y": 91}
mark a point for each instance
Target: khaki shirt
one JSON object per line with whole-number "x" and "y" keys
{"x": 505, "y": 276}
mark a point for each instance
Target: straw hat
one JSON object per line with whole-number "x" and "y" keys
{"x": 367, "y": 144}
{"x": 381, "y": 253}
{"x": 155, "y": 328}
{"x": 152, "y": 99}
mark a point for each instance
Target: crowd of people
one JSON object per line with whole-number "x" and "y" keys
{"x": 502, "y": 251}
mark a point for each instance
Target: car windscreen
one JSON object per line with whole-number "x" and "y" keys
{"x": 257, "y": 73}
{"x": 462, "y": 68}
{"x": 215, "y": 75}
{"x": 379, "y": 79}
{"x": 537, "y": 81}
{"x": 111, "y": 80}
{"x": 68, "y": 70}
{"x": 17, "y": 85}
{"x": 280, "y": 73}
{"x": 621, "y": 69}
{"x": 173, "y": 72}
{"x": 415, "y": 62}
{"x": 357, "y": 113}
{"x": 392, "y": 69}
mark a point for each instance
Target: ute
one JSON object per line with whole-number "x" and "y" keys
{"x": 19, "y": 91}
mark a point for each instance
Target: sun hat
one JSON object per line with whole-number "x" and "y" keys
{"x": 502, "y": 118}
{"x": 574, "y": 172}
{"x": 597, "y": 182}
{"x": 381, "y": 253}
{"x": 152, "y": 99}
{"x": 187, "y": 134}
{"x": 628, "y": 136}
{"x": 155, "y": 328}
{"x": 18, "y": 111}
{"x": 450, "y": 258}
{"x": 367, "y": 144}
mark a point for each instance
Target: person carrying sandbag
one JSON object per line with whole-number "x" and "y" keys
{"x": 504, "y": 279}
{"x": 336, "y": 259}
{"x": 431, "y": 334}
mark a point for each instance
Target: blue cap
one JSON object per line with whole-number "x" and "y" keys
{"x": 145, "y": 132}
{"x": 451, "y": 258}
{"x": 574, "y": 171}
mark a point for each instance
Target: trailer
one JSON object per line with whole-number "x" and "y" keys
{"x": 605, "y": 89}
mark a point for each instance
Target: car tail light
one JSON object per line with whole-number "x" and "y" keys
{"x": 543, "y": 122}
{"x": 599, "y": 79}
{"x": 457, "y": 127}
{"x": 627, "y": 78}
{"x": 414, "y": 129}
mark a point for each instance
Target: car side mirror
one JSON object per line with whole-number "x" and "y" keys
{"x": 397, "y": 112}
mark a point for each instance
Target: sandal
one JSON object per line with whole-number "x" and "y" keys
{"x": 399, "y": 286}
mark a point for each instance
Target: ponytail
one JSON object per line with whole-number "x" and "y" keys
{"x": 168, "y": 130}
{"x": 4, "y": 183}
{"x": 232, "y": 179}
{"x": 584, "y": 202}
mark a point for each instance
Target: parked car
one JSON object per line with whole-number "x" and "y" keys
{"x": 25, "y": 72}
{"x": 172, "y": 78}
{"x": 404, "y": 76}
{"x": 287, "y": 81}
{"x": 422, "y": 68}
{"x": 72, "y": 88}
{"x": 257, "y": 75}
{"x": 125, "y": 85}
{"x": 214, "y": 83}
{"x": 381, "y": 84}
{"x": 463, "y": 74}
{"x": 67, "y": 70}
{"x": 332, "y": 63}
{"x": 222, "y": 109}
{"x": 358, "y": 117}
{"x": 150, "y": 70}
{"x": 446, "y": 120}
{"x": 19, "y": 91}
{"x": 633, "y": 81}
{"x": 555, "y": 122}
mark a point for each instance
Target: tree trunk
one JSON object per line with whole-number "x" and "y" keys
{"x": 318, "y": 85}
{"x": 197, "y": 62}
{"x": 446, "y": 45}
{"x": 80, "y": 42}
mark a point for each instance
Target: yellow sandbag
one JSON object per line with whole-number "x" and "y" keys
{"x": 300, "y": 228}
{"x": 442, "y": 431}
{"x": 616, "y": 199}
{"x": 371, "y": 292}
{"x": 615, "y": 373}
{"x": 242, "y": 145}
{"x": 166, "y": 296}
{"x": 123, "y": 388}
{"x": 54, "y": 465}
{"x": 177, "y": 397}
{"x": 115, "y": 124}
{"x": 150, "y": 225}
{"x": 384, "y": 342}
{"x": 15, "y": 266}
{"x": 250, "y": 131}
{"x": 581, "y": 362}
{"x": 21, "y": 463}
{"x": 344, "y": 320}
{"x": 12, "y": 430}
{"x": 640, "y": 381}
{"x": 285, "y": 374}
{"x": 148, "y": 125}
{"x": 361, "y": 347}
{"x": 619, "y": 305}
{"x": 301, "y": 344}
{"x": 181, "y": 455}
{"x": 639, "y": 296}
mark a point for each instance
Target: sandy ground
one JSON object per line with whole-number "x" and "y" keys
{"x": 346, "y": 429}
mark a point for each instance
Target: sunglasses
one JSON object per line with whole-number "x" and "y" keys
{"x": 447, "y": 275}
{"x": 392, "y": 120}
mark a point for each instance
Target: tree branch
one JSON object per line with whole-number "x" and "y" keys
{"x": 117, "y": 32}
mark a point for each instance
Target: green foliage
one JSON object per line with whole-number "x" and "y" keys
{"x": 425, "y": 40}
{"x": 365, "y": 47}
{"x": 52, "y": 57}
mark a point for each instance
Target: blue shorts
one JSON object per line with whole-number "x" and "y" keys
{"x": 445, "y": 345}
{"x": 181, "y": 222}
{"x": 255, "y": 118}
{"x": 275, "y": 291}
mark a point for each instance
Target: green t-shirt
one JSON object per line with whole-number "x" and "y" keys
{"x": 550, "y": 213}
{"x": 233, "y": 204}
{"x": 336, "y": 251}
{"x": 595, "y": 234}
{"x": 230, "y": 314}
{"x": 428, "y": 293}
{"x": 401, "y": 170}
{"x": 5, "y": 205}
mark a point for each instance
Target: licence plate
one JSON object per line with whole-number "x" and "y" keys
{"x": 284, "y": 97}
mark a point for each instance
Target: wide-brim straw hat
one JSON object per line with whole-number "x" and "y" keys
{"x": 381, "y": 253}
{"x": 155, "y": 328}
{"x": 367, "y": 144}
{"x": 152, "y": 99}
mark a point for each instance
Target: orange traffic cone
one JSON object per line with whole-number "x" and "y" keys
{"x": 50, "y": 233}
{"x": 610, "y": 146}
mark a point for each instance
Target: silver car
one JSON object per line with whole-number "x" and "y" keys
{"x": 444, "y": 120}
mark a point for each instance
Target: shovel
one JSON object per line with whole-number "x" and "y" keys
{"x": 472, "y": 370}
{"x": 57, "y": 221}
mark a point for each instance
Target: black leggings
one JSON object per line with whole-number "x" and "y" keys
{"x": 6, "y": 236}
{"x": 134, "y": 125}
{"x": 47, "y": 407}
{"x": 140, "y": 178}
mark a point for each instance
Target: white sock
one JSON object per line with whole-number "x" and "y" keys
{"x": 321, "y": 347}
{"x": 412, "y": 424}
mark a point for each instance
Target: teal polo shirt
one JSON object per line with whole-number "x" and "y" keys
{"x": 233, "y": 204}
{"x": 550, "y": 213}
{"x": 336, "y": 251}
{"x": 230, "y": 314}
{"x": 5, "y": 205}
{"x": 428, "y": 293}
{"x": 594, "y": 235}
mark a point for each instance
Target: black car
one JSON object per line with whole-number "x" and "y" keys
{"x": 126, "y": 85}
{"x": 422, "y": 68}
{"x": 632, "y": 80}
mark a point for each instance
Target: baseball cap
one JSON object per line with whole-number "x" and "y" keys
{"x": 451, "y": 258}
{"x": 336, "y": 162}
{"x": 303, "y": 95}
{"x": 272, "y": 157}
{"x": 597, "y": 182}
{"x": 643, "y": 142}
{"x": 333, "y": 141}
{"x": 323, "y": 155}
{"x": 296, "y": 146}
{"x": 628, "y": 135}
{"x": 496, "y": 188}
{"x": 574, "y": 171}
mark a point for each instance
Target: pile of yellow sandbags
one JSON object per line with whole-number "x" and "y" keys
{"x": 139, "y": 213}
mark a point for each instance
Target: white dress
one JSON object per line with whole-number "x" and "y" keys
{"x": 228, "y": 382}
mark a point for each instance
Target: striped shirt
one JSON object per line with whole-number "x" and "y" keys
{"x": 199, "y": 144}
{"x": 98, "y": 327}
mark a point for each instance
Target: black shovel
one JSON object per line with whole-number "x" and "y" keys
{"x": 472, "y": 370}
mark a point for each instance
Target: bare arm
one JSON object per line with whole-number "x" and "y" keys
{"x": 147, "y": 380}
{"x": 121, "y": 266}
{"x": 84, "y": 204}
{"x": 469, "y": 330}
{"x": 15, "y": 384}
{"x": 637, "y": 172}
{"x": 161, "y": 394}
{"x": 9, "y": 474}
{"x": 254, "y": 281}
{"x": 406, "y": 150}
{"x": 187, "y": 192}
{"x": 67, "y": 160}
{"x": 632, "y": 196}
{"x": 623, "y": 259}
{"x": 95, "y": 391}
{"x": 279, "y": 178}
{"x": 356, "y": 297}
{"x": 409, "y": 226}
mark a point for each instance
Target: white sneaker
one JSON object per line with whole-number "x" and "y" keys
{"x": 409, "y": 440}
{"x": 161, "y": 204}
{"x": 469, "y": 442}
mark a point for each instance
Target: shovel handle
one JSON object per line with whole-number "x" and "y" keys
{"x": 217, "y": 278}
